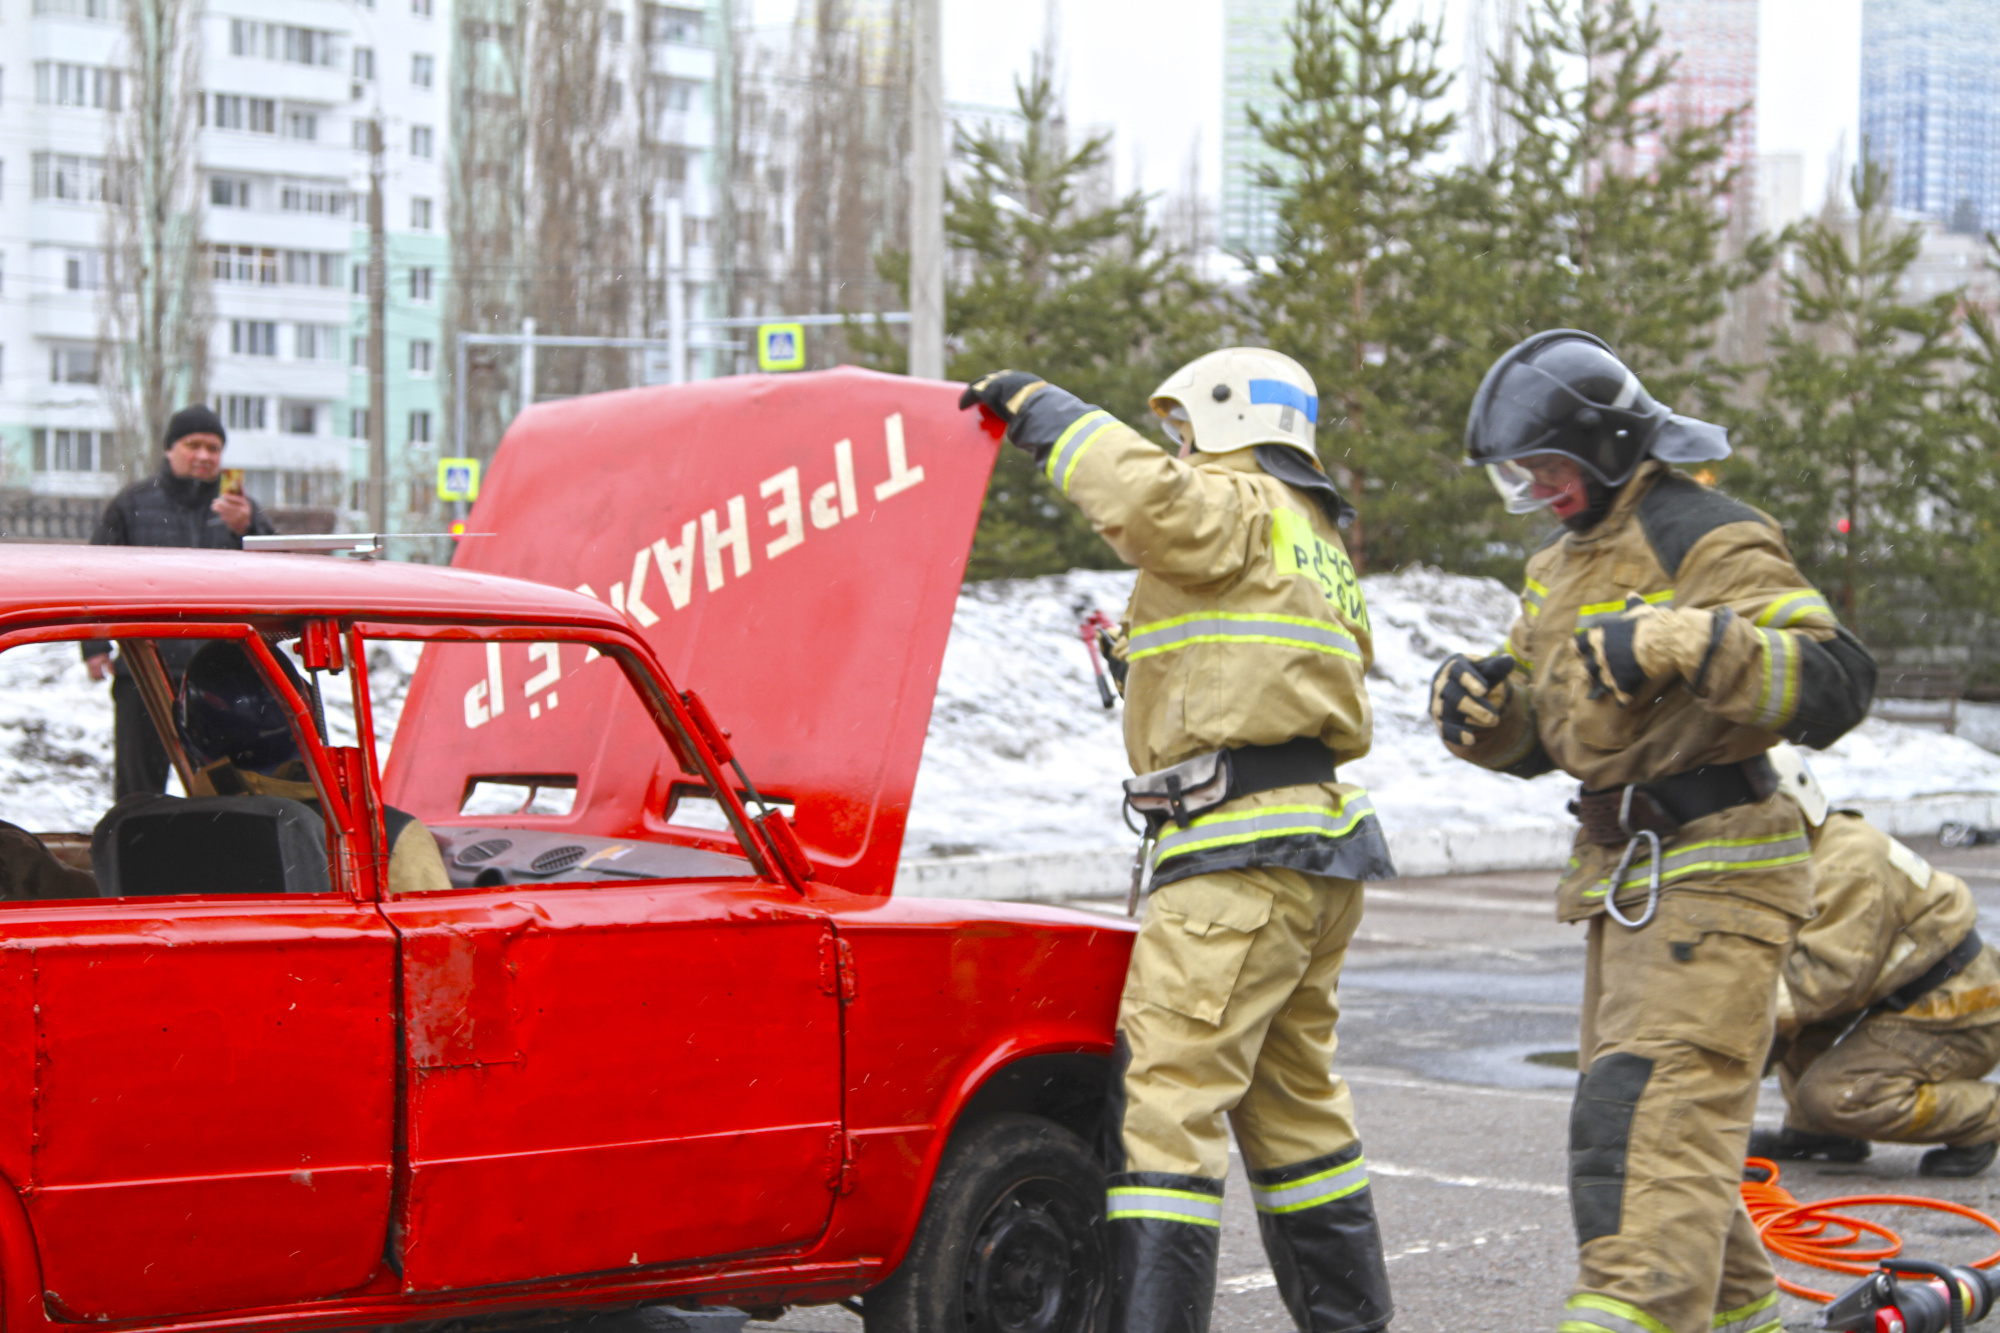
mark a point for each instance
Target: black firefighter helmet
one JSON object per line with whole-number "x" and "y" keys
{"x": 227, "y": 710}
{"x": 1564, "y": 391}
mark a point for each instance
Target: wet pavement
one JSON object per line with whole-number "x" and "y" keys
{"x": 1459, "y": 1010}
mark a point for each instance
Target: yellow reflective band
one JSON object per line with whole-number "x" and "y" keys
{"x": 1166, "y": 1205}
{"x": 1793, "y": 607}
{"x": 1765, "y": 853}
{"x": 1271, "y": 821}
{"x": 1778, "y": 698}
{"x": 1293, "y": 1195}
{"x": 1163, "y": 636}
{"x": 1536, "y": 590}
{"x": 1756, "y": 1317}
{"x": 1069, "y": 446}
{"x": 1611, "y": 1315}
{"x": 1604, "y": 610}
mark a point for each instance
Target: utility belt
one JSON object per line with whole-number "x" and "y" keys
{"x": 1176, "y": 795}
{"x": 1651, "y": 811}
{"x": 1943, "y": 970}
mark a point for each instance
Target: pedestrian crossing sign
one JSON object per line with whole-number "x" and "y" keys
{"x": 781, "y": 347}
{"x": 458, "y": 479}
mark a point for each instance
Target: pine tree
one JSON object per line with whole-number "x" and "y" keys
{"x": 1079, "y": 291}
{"x": 1379, "y": 284}
{"x": 1616, "y": 215}
{"x": 1852, "y": 449}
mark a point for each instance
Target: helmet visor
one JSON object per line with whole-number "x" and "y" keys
{"x": 1534, "y": 482}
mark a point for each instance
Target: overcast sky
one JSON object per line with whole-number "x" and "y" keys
{"x": 1152, "y": 71}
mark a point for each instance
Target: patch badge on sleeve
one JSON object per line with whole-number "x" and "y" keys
{"x": 1298, "y": 550}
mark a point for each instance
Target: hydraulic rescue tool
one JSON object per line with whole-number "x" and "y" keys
{"x": 1892, "y": 1300}
{"x": 1096, "y": 630}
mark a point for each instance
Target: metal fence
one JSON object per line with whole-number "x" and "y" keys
{"x": 26, "y": 517}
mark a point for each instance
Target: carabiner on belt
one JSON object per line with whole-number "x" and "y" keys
{"x": 1625, "y": 862}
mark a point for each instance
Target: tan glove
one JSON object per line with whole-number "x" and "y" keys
{"x": 1645, "y": 642}
{"x": 1469, "y": 696}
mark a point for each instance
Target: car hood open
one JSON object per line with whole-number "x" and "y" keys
{"x": 790, "y": 546}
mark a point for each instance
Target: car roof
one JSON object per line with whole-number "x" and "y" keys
{"x": 116, "y": 582}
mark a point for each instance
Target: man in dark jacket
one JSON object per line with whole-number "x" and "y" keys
{"x": 181, "y": 506}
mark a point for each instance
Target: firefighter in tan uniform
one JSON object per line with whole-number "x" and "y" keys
{"x": 1665, "y": 642}
{"x": 1246, "y": 643}
{"x": 1888, "y": 1008}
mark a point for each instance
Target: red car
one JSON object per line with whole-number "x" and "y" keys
{"x": 656, "y": 1031}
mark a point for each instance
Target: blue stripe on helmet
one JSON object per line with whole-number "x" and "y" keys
{"x": 1285, "y": 395}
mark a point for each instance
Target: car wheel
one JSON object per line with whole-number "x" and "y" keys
{"x": 1011, "y": 1240}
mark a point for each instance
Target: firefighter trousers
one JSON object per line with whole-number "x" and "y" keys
{"x": 1894, "y": 1081}
{"x": 1229, "y": 1014}
{"x": 1677, "y": 1019}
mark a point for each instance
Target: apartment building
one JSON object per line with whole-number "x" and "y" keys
{"x": 1930, "y": 106}
{"x": 282, "y": 196}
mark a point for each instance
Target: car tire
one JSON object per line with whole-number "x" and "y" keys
{"x": 1011, "y": 1240}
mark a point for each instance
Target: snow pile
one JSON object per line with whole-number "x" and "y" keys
{"x": 1021, "y": 758}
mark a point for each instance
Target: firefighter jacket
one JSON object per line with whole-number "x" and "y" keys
{"x": 1777, "y": 665}
{"x": 1885, "y": 918}
{"x": 1246, "y": 627}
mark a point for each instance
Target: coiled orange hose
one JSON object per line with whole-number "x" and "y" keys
{"x": 1816, "y": 1234}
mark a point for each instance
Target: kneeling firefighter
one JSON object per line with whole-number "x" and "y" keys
{"x": 1245, "y": 645}
{"x": 1888, "y": 1007}
{"x": 1665, "y": 641}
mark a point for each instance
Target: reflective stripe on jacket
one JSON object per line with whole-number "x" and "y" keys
{"x": 1246, "y": 627}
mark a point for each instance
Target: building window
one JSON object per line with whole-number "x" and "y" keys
{"x": 423, "y": 69}
{"x": 72, "y": 365}
{"x": 420, "y": 215}
{"x": 420, "y": 356}
{"x": 360, "y": 346}
{"x": 318, "y": 197}
{"x": 420, "y": 284}
{"x": 421, "y": 8}
{"x": 420, "y": 428}
{"x": 58, "y": 84}
{"x": 667, "y": 24}
{"x": 241, "y": 411}
{"x": 317, "y": 342}
{"x": 676, "y": 95}
{"x": 364, "y": 63}
{"x": 99, "y": 10}
{"x": 83, "y": 270}
{"x": 357, "y": 423}
{"x": 244, "y": 263}
{"x": 72, "y": 450}
{"x": 614, "y": 25}
{"x": 301, "y": 125}
{"x": 299, "y": 418}
{"x": 253, "y": 337}
{"x": 258, "y": 115}
{"x": 228, "y": 192}
{"x": 420, "y": 141}
{"x": 308, "y": 46}
{"x": 69, "y": 176}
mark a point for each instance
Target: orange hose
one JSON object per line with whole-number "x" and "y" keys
{"x": 1814, "y": 1233}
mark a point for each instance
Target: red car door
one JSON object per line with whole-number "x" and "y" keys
{"x": 201, "y": 1087}
{"x": 609, "y": 1064}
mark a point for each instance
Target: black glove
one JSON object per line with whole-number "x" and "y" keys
{"x": 1468, "y": 696}
{"x": 1003, "y": 393}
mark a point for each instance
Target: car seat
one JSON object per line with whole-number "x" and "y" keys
{"x": 158, "y": 846}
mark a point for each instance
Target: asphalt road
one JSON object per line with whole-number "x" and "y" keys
{"x": 1452, "y": 988}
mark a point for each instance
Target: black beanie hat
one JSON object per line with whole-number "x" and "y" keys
{"x": 198, "y": 419}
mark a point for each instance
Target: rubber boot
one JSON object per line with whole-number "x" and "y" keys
{"x": 1164, "y": 1232}
{"x": 1318, "y": 1222}
{"x": 1956, "y": 1163}
{"x": 1800, "y": 1145}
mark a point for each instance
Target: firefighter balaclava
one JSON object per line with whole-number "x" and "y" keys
{"x": 1566, "y": 392}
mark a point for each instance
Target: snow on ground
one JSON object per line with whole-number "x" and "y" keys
{"x": 1021, "y": 758}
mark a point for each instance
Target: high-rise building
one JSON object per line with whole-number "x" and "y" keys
{"x": 1714, "y": 43}
{"x": 1930, "y": 106}
{"x": 1255, "y": 50}
{"x": 286, "y": 88}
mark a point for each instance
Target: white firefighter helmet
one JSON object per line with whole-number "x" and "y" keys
{"x": 1238, "y": 397}
{"x": 1796, "y": 780}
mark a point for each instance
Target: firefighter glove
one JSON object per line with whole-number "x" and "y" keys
{"x": 1003, "y": 393}
{"x": 1644, "y": 642}
{"x": 1469, "y": 696}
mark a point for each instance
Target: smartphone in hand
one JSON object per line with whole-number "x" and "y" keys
{"x": 232, "y": 481}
